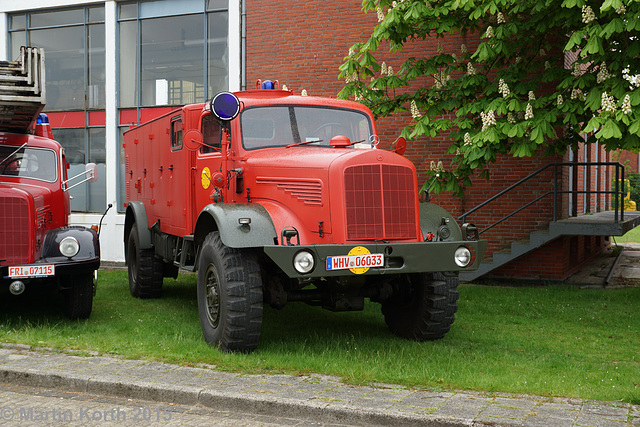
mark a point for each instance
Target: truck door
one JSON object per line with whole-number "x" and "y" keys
{"x": 177, "y": 172}
{"x": 208, "y": 163}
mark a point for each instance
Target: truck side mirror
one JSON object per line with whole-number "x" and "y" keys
{"x": 91, "y": 172}
{"x": 192, "y": 139}
{"x": 400, "y": 145}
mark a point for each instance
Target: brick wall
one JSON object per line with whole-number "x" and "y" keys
{"x": 302, "y": 44}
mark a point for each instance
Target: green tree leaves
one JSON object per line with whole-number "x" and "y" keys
{"x": 543, "y": 72}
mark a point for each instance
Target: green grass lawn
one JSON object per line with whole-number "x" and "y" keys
{"x": 553, "y": 340}
{"x": 631, "y": 236}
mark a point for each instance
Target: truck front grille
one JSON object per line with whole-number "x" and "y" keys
{"x": 380, "y": 202}
{"x": 14, "y": 230}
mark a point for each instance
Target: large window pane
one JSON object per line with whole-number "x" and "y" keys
{"x": 218, "y": 53}
{"x": 157, "y": 8}
{"x": 128, "y": 10}
{"x": 97, "y": 191}
{"x": 172, "y": 66}
{"x": 97, "y": 77}
{"x": 17, "y": 39}
{"x": 64, "y": 52}
{"x": 62, "y": 17}
{"x": 217, "y": 4}
{"x": 128, "y": 43}
{"x": 17, "y": 22}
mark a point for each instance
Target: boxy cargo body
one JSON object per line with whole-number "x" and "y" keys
{"x": 289, "y": 200}
{"x": 38, "y": 248}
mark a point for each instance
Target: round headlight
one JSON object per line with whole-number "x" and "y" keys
{"x": 462, "y": 256}
{"x": 303, "y": 262}
{"x": 69, "y": 247}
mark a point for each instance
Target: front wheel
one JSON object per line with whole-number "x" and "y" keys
{"x": 426, "y": 310}
{"x": 78, "y": 300}
{"x": 229, "y": 296}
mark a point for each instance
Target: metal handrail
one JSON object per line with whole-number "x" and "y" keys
{"x": 556, "y": 166}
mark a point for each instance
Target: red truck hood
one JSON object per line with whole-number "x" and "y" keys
{"x": 38, "y": 193}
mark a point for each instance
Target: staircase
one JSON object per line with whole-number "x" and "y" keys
{"x": 606, "y": 223}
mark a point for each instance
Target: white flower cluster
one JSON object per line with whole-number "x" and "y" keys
{"x": 440, "y": 48}
{"x": 415, "y": 113}
{"x": 547, "y": 65}
{"x": 634, "y": 80}
{"x": 608, "y": 103}
{"x": 380, "y": 14}
{"x": 303, "y": 93}
{"x": 621, "y": 10}
{"x": 359, "y": 97}
{"x": 532, "y": 96}
{"x": 574, "y": 94}
{"x": 436, "y": 167}
{"x": 488, "y": 119}
{"x": 463, "y": 49}
{"x": 577, "y": 71}
{"x": 603, "y": 73}
{"x": 489, "y": 33}
{"x": 389, "y": 71}
{"x": 560, "y": 100}
{"x": 440, "y": 79}
{"x": 503, "y": 88}
{"x": 511, "y": 118}
{"x": 470, "y": 70}
{"x": 501, "y": 19}
{"x": 626, "y": 104}
{"x": 351, "y": 51}
{"x": 383, "y": 69}
{"x": 542, "y": 52}
{"x": 351, "y": 78}
{"x": 528, "y": 113}
{"x": 467, "y": 139}
{"x": 587, "y": 14}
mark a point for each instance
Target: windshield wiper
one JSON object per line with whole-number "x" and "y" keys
{"x": 303, "y": 143}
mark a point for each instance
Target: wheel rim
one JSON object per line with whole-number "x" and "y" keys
{"x": 133, "y": 260}
{"x": 212, "y": 296}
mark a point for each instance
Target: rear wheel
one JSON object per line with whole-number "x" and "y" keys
{"x": 145, "y": 269}
{"x": 427, "y": 310}
{"x": 78, "y": 300}
{"x": 229, "y": 296}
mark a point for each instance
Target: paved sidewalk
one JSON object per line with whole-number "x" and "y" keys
{"x": 317, "y": 398}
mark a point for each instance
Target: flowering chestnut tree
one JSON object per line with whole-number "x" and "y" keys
{"x": 543, "y": 74}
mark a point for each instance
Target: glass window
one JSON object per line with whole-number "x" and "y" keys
{"x": 25, "y": 162}
{"x": 211, "y": 135}
{"x": 18, "y": 38}
{"x": 64, "y": 66}
{"x": 96, "y": 14}
{"x": 176, "y": 133}
{"x": 285, "y": 125}
{"x": 157, "y": 8}
{"x": 171, "y": 56}
{"x": 97, "y": 77}
{"x": 57, "y": 18}
{"x": 217, "y": 4}
{"x": 128, "y": 10}
{"x": 218, "y": 52}
{"x": 128, "y": 43}
{"x": 18, "y": 22}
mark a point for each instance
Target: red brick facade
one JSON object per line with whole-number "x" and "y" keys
{"x": 302, "y": 44}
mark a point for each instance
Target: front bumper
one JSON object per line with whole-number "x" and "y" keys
{"x": 62, "y": 268}
{"x": 399, "y": 258}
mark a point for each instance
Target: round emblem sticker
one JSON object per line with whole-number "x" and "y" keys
{"x": 359, "y": 250}
{"x": 206, "y": 178}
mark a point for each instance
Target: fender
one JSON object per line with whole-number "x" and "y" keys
{"x": 136, "y": 213}
{"x": 86, "y": 237}
{"x": 431, "y": 219}
{"x": 259, "y": 232}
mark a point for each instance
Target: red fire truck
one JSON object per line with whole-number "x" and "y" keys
{"x": 38, "y": 248}
{"x": 273, "y": 197}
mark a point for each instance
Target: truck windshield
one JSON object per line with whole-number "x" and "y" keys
{"x": 279, "y": 126}
{"x": 27, "y": 162}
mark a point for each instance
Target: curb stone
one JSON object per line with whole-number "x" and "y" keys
{"x": 314, "y": 398}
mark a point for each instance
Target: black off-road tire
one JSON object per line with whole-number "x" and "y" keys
{"x": 78, "y": 300}
{"x": 229, "y": 296}
{"x": 427, "y": 311}
{"x": 145, "y": 269}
